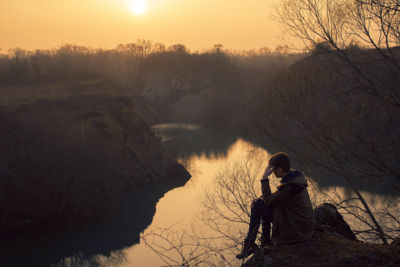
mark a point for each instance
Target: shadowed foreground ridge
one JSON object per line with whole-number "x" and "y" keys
{"x": 68, "y": 160}
{"x": 333, "y": 244}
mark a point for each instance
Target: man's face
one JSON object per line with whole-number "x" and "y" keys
{"x": 279, "y": 173}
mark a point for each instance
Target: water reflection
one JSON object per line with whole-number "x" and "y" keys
{"x": 326, "y": 187}
{"x": 187, "y": 140}
{"x": 190, "y": 140}
{"x": 42, "y": 247}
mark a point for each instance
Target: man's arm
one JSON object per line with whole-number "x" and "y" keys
{"x": 279, "y": 196}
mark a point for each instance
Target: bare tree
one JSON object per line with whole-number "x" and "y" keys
{"x": 218, "y": 48}
{"x": 264, "y": 51}
{"x": 137, "y": 52}
{"x": 339, "y": 109}
{"x": 185, "y": 249}
{"x": 222, "y": 222}
{"x": 180, "y": 48}
{"x": 159, "y": 47}
{"x": 36, "y": 62}
{"x": 18, "y": 62}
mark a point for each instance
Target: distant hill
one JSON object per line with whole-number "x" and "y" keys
{"x": 203, "y": 89}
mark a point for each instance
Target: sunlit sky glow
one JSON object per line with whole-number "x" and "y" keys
{"x": 198, "y": 24}
{"x": 137, "y": 7}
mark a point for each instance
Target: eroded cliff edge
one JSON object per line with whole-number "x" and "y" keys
{"x": 69, "y": 152}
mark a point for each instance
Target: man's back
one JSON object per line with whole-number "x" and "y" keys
{"x": 293, "y": 219}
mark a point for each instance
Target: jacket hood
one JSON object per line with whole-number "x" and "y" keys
{"x": 295, "y": 177}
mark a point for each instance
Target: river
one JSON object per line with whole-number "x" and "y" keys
{"x": 171, "y": 204}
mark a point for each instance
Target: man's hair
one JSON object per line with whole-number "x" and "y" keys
{"x": 280, "y": 160}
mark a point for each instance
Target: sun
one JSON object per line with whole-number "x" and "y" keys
{"x": 138, "y": 7}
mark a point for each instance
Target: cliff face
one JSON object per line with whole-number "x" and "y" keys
{"x": 69, "y": 159}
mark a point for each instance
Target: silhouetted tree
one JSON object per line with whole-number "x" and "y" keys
{"x": 218, "y": 48}
{"x": 159, "y": 48}
{"x": 137, "y": 52}
{"x": 18, "y": 62}
{"x": 36, "y": 62}
{"x": 341, "y": 109}
{"x": 222, "y": 222}
{"x": 264, "y": 51}
{"x": 179, "y": 48}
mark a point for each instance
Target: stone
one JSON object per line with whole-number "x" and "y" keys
{"x": 330, "y": 220}
{"x": 396, "y": 242}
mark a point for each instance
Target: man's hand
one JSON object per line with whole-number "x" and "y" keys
{"x": 267, "y": 172}
{"x": 254, "y": 201}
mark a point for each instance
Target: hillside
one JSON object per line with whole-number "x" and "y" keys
{"x": 205, "y": 89}
{"x": 69, "y": 151}
{"x": 227, "y": 109}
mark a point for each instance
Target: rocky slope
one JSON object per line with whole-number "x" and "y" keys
{"x": 68, "y": 152}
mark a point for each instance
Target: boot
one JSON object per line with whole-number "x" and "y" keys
{"x": 265, "y": 237}
{"x": 247, "y": 250}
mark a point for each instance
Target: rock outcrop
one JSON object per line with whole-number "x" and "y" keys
{"x": 333, "y": 244}
{"x": 68, "y": 160}
{"x": 328, "y": 219}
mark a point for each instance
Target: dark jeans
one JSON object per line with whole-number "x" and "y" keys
{"x": 264, "y": 213}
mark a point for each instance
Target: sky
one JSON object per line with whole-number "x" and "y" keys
{"x": 198, "y": 24}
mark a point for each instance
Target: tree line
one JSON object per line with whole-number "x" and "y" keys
{"x": 71, "y": 61}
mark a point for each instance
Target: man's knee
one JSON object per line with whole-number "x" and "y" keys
{"x": 267, "y": 211}
{"x": 259, "y": 204}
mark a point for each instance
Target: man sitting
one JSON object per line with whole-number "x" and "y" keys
{"x": 289, "y": 209}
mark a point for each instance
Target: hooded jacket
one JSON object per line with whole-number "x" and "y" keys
{"x": 293, "y": 219}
